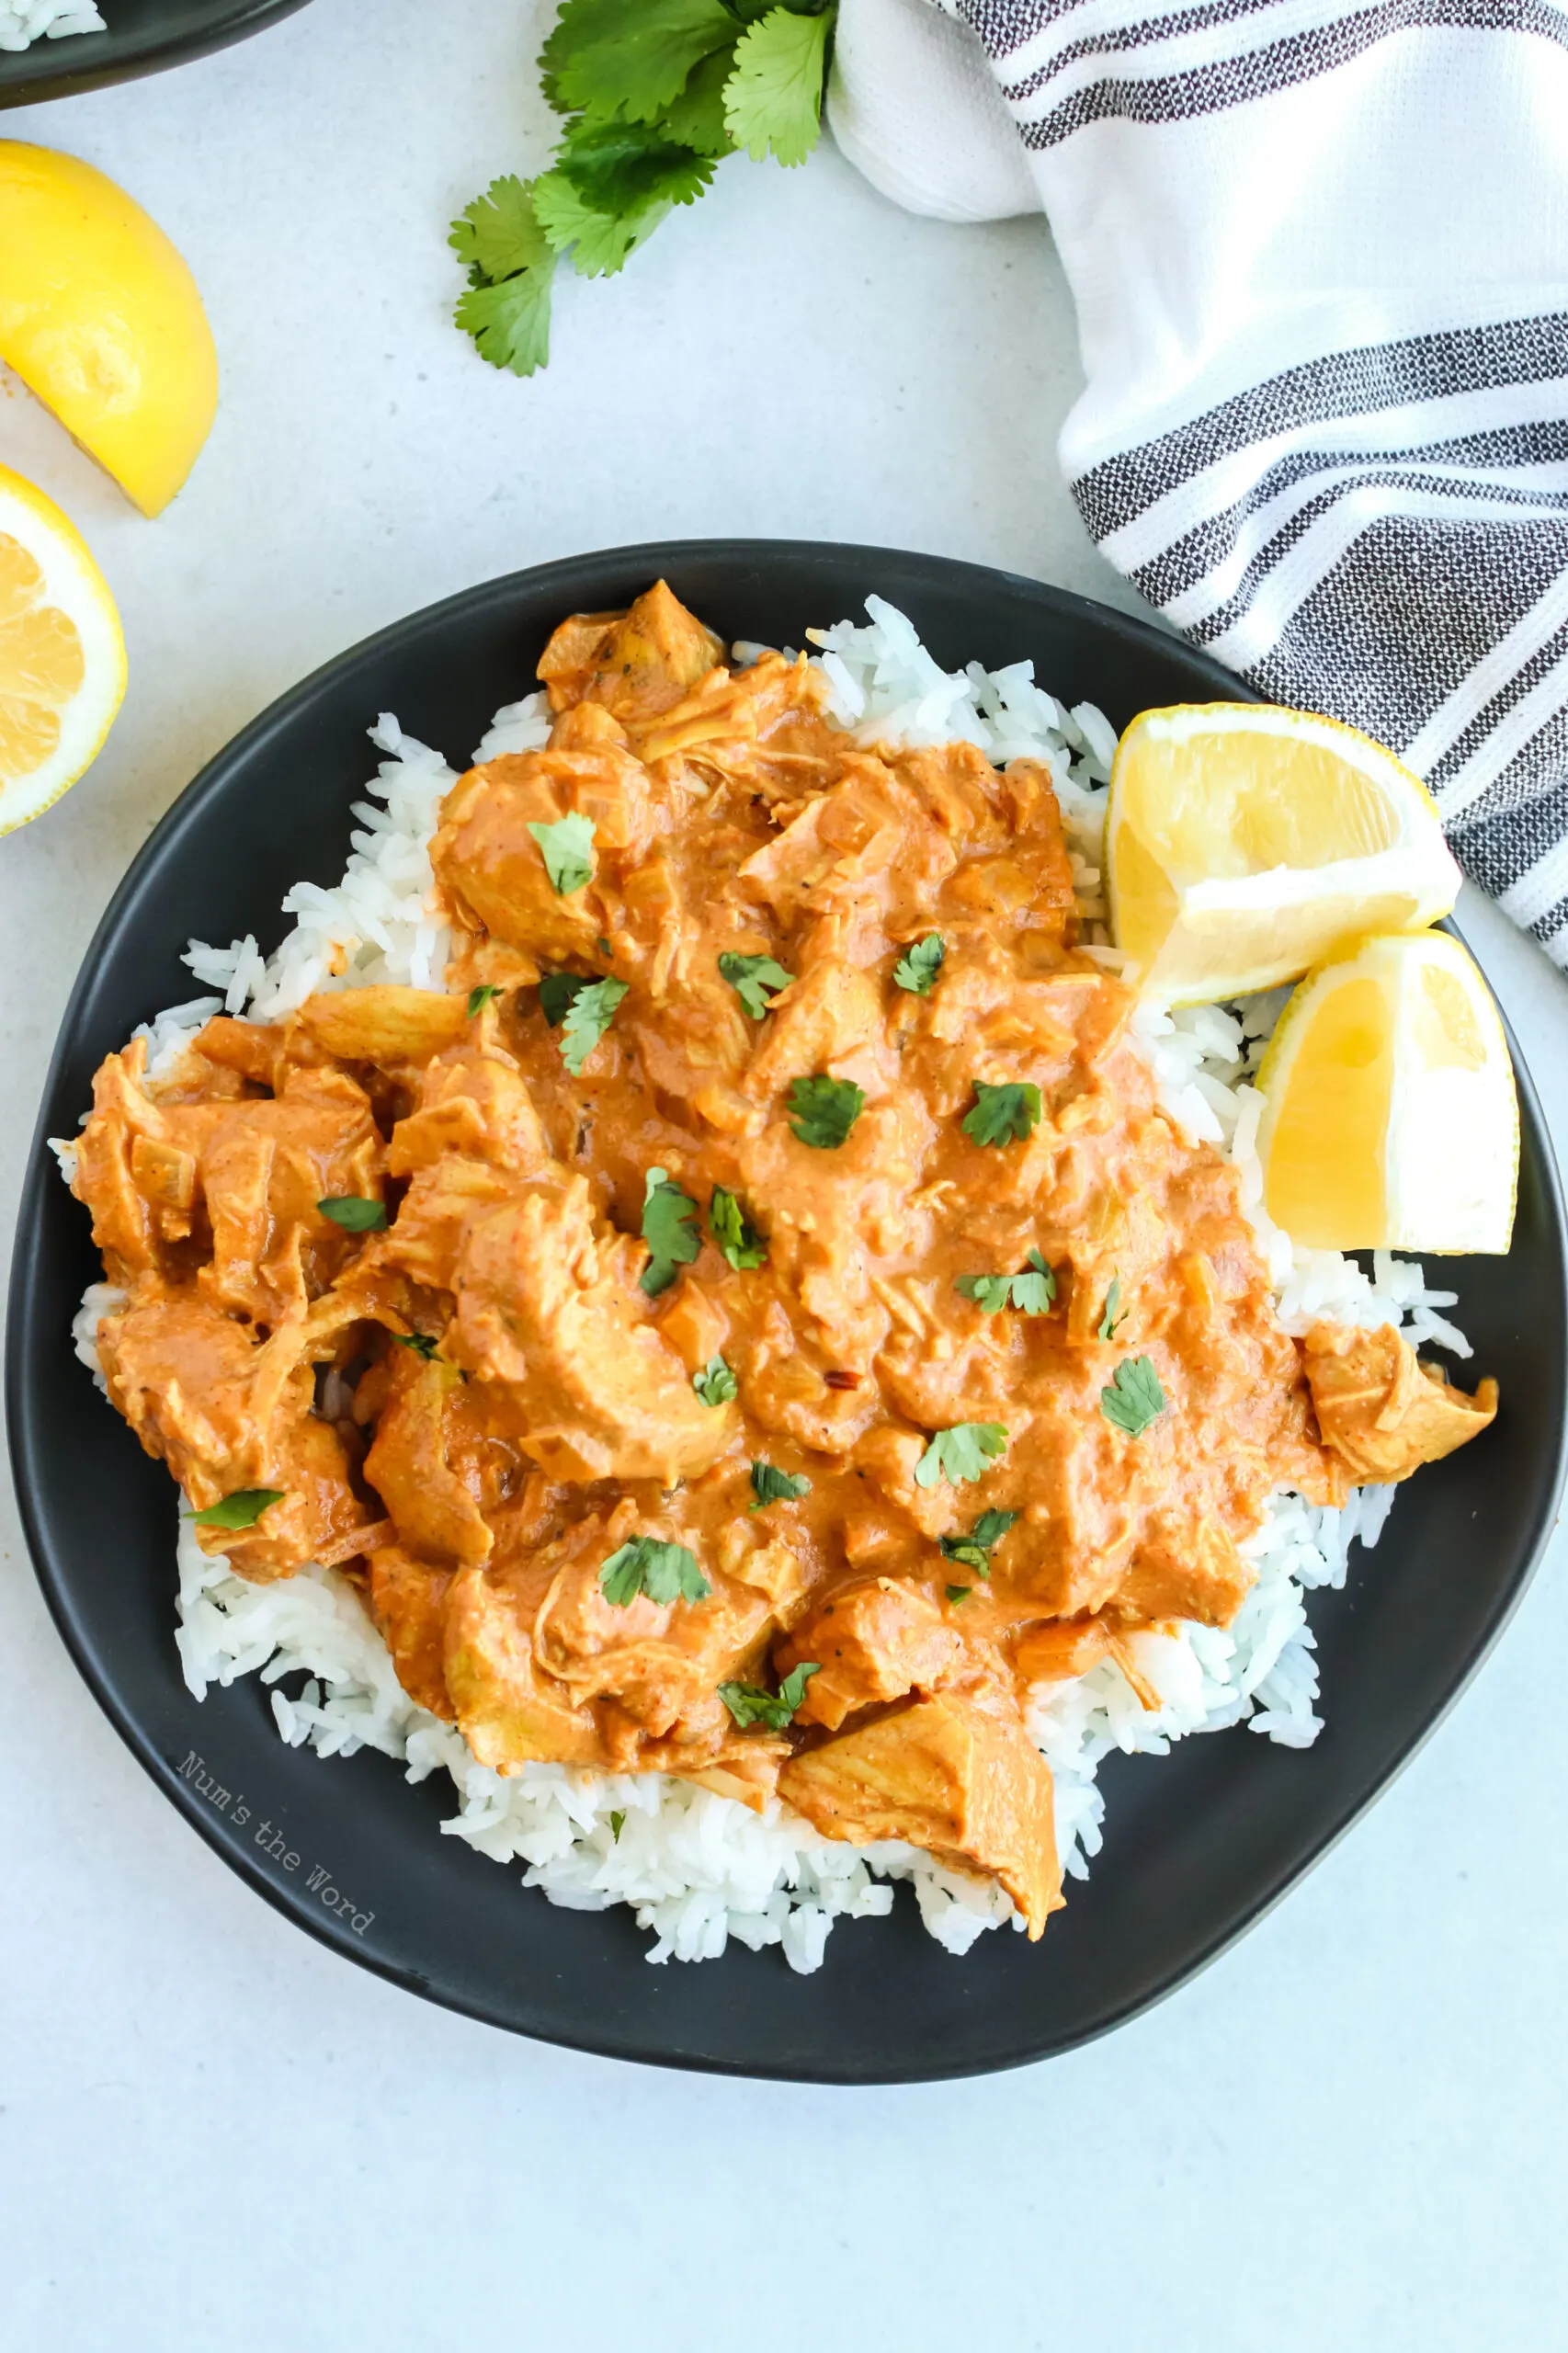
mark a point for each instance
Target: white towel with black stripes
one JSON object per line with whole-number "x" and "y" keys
{"x": 1319, "y": 253}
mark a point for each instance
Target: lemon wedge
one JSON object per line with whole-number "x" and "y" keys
{"x": 1244, "y": 844}
{"x": 61, "y": 654}
{"x": 1392, "y": 1120}
{"x": 100, "y": 317}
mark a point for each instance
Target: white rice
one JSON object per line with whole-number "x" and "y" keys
{"x": 700, "y": 1868}
{"x": 24, "y": 21}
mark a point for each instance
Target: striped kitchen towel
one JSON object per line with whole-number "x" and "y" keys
{"x": 1319, "y": 252}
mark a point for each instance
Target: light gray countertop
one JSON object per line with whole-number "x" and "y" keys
{"x": 212, "y": 2132}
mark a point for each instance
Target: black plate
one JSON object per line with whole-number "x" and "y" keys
{"x": 1199, "y": 1843}
{"x": 143, "y": 37}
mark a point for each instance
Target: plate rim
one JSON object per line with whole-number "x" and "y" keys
{"x": 113, "y": 56}
{"x": 24, "y": 1308}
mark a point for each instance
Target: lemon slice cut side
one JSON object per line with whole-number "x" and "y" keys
{"x": 1244, "y": 844}
{"x": 100, "y": 318}
{"x": 62, "y": 653}
{"x": 1392, "y": 1120}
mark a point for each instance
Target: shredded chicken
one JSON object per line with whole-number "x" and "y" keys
{"x": 666, "y": 1496}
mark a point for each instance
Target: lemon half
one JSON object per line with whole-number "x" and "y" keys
{"x": 1244, "y": 844}
{"x": 100, "y": 318}
{"x": 1392, "y": 1120}
{"x": 61, "y": 654}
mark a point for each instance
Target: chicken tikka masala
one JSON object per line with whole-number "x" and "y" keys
{"x": 758, "y": 1322}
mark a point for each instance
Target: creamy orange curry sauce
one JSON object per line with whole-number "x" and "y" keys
{"x": 760, "y": 1324}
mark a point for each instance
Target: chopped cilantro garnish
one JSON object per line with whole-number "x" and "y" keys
{"x": 420, "y": 1342}
{"x": 663, "y": 1572}
{"x": 669, "y": 1229}
{"x": 1115, "y": 1313}
{"x": 734, "y": 1233}
{"x": 1002, "y": 1114}
{"x": 823, "y": 1111}
{"x": 975, "y": 1549}
{"x": 716, "y": 1384}
{"x": 617, "y": 1824}
{"x": 242, "y": 1509}
{"x": 963, "y": 1453}
{"x": 755, "y": 980}
{"x": 567, "y": 849}
{"x": 748, "y": 1705}
{"x": 588, "y": 1016}
{"x": 1031, "y": 1293}
{"x": 558, "y": 993}
{"x": 957, "y": 1593}
{"x": 770, "y": 1485}
{"x": 1133, "y": 1398}
{"x": 480, "y": 997}
{"x": 917, "y": 968}
{"x": 354, "y": 1214}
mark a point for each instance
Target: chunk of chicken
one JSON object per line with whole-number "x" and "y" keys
{"x": 637, "y": 664}
{"x": 230, "y": 1414}
{"x": 1383, "y": 1411}
{"x": 384, "y": 1025}
{"x": 967, "y": 1786}
{"x": 408, "y": 1598}
{"x": 410, "y": 1466}
{"x": 593, "y": 1391}
{"x": 870, "y": 1642}
{"x": 509, "y": 1709}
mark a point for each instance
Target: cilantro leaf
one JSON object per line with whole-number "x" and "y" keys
{"x": 558, "y": 993}
{"x": 1115, "y": 1313}
{"x": 957, "y": 1593}
{"x": 1002, "y": 1113}
{"x": 823, "y": 1111}
{"x": 963, "y": 1453}
{"x": 242, "y": 1509}
{"x": 696, "y": 117}
{"x": 630, "y": 57}
{"x": 1134, "y": 1398}
{"x": 917, "y": 968}
{"x": 667, "y": 1229}
{"x": 354, "y": 1213}
{"x": 509, "y": 322}
{"x": 567, "y": 849}
{"x": 748, "y": 1705}
{"x": 773, "y": 99}
{"x": 733, "y": 1231}
{"x": 589, "y": 1016}
{"x": 480, "y": 997}
{"x": 1033, "y": 1291}
{"x": 499, "y": 235}
{"x": 755, "y": 980}
{"x": 989, "y": 1293}
{"x": 663, "y": 1572}
{"x": 770, "y": 1485}
{"x": 617, "y": 1824}
{"x": 423, "y": 1346}
{"x": 610, "y": 185}
{"x": 975, "y": 1549}
{"x": 715, "y": 1384}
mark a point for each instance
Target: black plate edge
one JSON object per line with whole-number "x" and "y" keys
{"x": 130, "y": 55}
{"x": 581, "y": 572}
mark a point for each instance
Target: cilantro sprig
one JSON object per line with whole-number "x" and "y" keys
{"x": 716, "y": 1384}
{"x": 587, "y": 1017}
{"x": 1002, "y": 1114}
{"x": 823, "y": 1111}
{"x": 917, "y": 968}
{"x": 771, "y": 1485}
{"x": 656, "y": 94}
